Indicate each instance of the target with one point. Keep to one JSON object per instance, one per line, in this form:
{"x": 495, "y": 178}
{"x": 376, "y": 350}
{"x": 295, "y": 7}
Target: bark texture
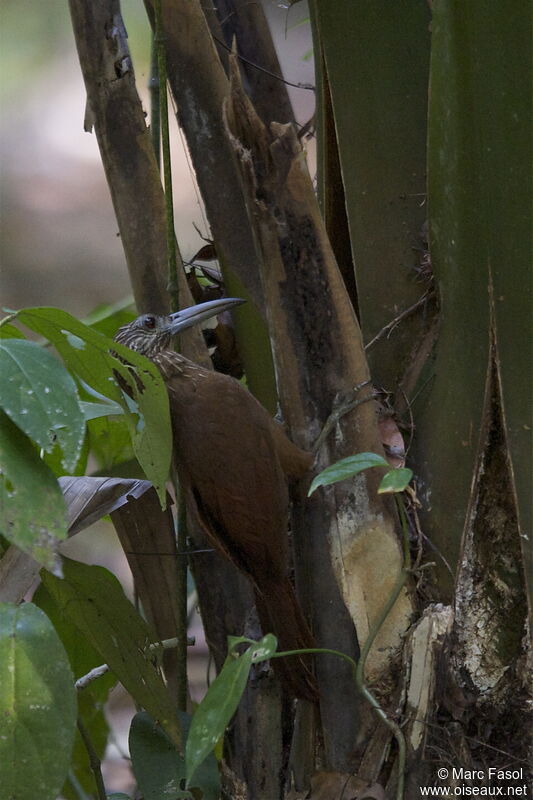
{"x": 347, "y": 553}
{"x": 226, "y": 600}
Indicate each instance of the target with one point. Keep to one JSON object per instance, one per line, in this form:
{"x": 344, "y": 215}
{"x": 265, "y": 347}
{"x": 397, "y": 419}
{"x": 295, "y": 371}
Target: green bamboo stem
{"x": 159, "y": 44}
{"x": 173, "y": 289}
{"x": 154, "y": 88}
{"x": 181, "y": 595}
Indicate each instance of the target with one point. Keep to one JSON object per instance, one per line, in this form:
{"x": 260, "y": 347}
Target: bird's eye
{"x": 149, "y": 322}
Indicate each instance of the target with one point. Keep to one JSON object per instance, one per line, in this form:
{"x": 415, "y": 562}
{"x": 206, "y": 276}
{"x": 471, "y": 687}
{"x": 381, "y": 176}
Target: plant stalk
{"x": 159, "y": 45}
{"x": 94, "y": 761}
{"x": 154, "y": 88}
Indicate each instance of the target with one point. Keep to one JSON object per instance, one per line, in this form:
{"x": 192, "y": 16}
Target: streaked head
{"x": 149, "y": 334}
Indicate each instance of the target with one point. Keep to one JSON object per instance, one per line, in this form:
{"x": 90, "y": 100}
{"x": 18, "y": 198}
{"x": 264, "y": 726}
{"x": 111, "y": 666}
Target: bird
{"x": 234, "y": 464}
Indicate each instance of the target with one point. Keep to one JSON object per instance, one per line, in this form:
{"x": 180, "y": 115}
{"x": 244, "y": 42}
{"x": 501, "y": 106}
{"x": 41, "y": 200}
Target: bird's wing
{"x": 227, "y": 456}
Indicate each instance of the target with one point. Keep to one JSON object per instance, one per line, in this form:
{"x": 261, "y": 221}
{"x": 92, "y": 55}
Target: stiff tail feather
{"x": 280, "y": 613}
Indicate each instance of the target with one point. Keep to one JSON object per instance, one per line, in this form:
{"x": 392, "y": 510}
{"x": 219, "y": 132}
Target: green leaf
{"x": 9, "y": 331}
{"x": 33, "y": 514}
{"x": 87, "y": 353}
{"x": 84, "y": 351}
{"x": 262, "y": 650}
{"x": 396, "y": 480}
{"x": 110, "y": 441}
{"x": 107, "y": 319}
{"x": 346, "y": 468}
{"x": 54, "y": 460}
{"x": 95, "y": 410}
{"x": 80, "y": 774}
{"x": 220, "y": 703}
{"x": 37, "y": 705}
{"x": 93, "y": 599}
{"x": 40, "y": 396}
{"x": 159, "y": 769}
{"x": 83, "y": 657}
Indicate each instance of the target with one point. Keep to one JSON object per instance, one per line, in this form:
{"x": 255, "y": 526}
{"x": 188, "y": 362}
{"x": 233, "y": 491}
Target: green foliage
{"x": 222, "y": 698}
{"x": 110, "y": 441}
{"x": 82, "y": 657}
{"x": 87, "y": 355}
{"x": 91, "y": 712}
{"x": 33, "y": 511}
{"x": 107, "y": 319}
{"x": 54, "y": 460}
{"x": 395, "y": 480}
{"x": 93, "y": 600}
{"x": 9, "y": 331}
{"x": 41, "y": 397}
{"x": 97, "y": 410}
{"x": 160, "y": 770}
{"x": 37, "y": 705}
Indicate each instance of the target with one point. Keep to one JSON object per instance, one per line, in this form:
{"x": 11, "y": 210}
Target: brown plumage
{"x": 234, "y": 462}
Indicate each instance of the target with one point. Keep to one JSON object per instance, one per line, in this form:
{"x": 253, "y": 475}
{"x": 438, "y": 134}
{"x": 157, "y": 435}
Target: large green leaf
{"x": 37, "y": 705}
{"x": 41, "y": 397}
{"x": 87, "y": 353}
{"x": 54, "y": 460}
{"x": 92, "y": 598}
{"x": 9, "y": 331}
{"x": 159, "y": 769}
{"x": 82, "y": 657}
{"x": 110, "y": 441}
{"x": 220, "y": 702}
{"x": 92, "y": 714}
{"x": 33, "y": 514}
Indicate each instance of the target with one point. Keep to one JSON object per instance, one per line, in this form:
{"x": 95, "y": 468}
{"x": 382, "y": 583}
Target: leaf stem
{"x": 181, "y": 595}
{"x": 94, "y": 761}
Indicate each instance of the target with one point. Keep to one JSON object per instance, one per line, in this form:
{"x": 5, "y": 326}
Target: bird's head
{"x": 149, "y": 334}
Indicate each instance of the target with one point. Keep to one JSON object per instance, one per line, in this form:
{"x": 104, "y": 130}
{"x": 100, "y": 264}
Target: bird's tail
{"x": 280, "y": 613}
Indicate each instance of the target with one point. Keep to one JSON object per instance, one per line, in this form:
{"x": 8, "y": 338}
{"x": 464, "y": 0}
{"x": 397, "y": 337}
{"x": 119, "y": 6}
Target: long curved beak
{"x": 187, "y": 317}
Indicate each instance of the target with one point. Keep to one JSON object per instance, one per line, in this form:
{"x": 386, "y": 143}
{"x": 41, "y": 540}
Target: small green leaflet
{"x": 395, "y": 480}
{"x": 221, "y": 700}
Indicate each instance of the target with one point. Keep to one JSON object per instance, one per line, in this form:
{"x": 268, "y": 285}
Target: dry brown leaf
{"x": 89, "y": 499}
{"x": 392, "y": 441}
{"x": 206, "y": 253}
